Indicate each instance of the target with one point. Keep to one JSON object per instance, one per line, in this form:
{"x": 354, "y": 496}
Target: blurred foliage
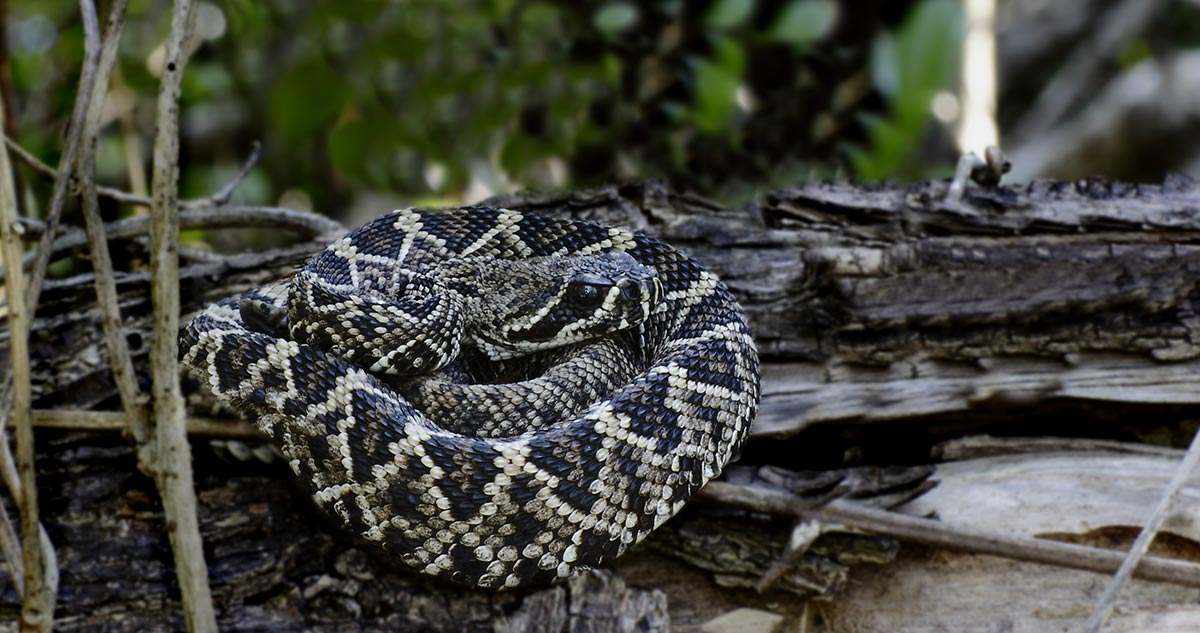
{"x": 910, "y": 67}
{"x": 444, "y": 101}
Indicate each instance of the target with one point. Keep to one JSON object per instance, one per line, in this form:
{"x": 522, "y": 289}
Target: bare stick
{"x": 218, "y": 198}
{"x": 10, "y": 546}
{"x": 62, "y": 177}
{"x": 1145, "y": 537}
{"x": 174, "y": 458}
{"x": 112, "y": 421}
{"x": 71, "y": 151}
{"x": 119, "y": 360}
{"x": 135, "y": 164}
{"x": 37, "y": 605}
{"x": 936, "y": 533}
{"x": 223, "y": 195}
{"x": 37, "y": 165}
{"x": 305, "y": 222}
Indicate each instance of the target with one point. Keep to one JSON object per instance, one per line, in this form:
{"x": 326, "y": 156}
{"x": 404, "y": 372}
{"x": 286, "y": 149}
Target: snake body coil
{"x": 497, "y": 398}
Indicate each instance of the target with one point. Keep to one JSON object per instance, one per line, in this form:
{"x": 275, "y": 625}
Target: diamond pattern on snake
{"x": 495, "y": 397}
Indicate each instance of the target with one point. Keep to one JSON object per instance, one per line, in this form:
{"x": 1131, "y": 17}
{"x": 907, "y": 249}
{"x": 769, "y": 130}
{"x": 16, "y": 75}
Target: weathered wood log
{"x": 1067, "y": 303}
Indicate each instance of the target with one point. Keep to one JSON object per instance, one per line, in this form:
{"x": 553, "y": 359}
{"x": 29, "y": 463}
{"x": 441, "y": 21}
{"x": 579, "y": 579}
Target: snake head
{"x": 546, "y": 302}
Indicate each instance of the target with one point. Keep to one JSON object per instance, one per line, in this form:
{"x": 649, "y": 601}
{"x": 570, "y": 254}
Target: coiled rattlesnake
{"x": 495, "y": 397}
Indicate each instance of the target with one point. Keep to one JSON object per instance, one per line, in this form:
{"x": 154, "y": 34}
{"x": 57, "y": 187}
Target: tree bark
{"x": 889, "y": 319}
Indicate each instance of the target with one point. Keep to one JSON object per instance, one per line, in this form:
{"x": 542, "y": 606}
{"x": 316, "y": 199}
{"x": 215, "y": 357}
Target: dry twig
{"x": 37, "y": 605}
{"x": 119, "y": 360}
{"x": 216, "y": 199}
{"x": 62, "y": 177}
{"x": 37, "y": 165}
{"x": 935, "y": 533}
{"x": 222, "y": 195}
{"x": 115, "y": 421}
{"x": 1140, "y": 546}
{"x": 174, "y": 468}
{"x": 311, "y": 224}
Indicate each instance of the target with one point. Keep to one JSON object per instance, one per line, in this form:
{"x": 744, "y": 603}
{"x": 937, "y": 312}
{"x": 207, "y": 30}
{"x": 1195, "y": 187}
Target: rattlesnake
{"x": 495, "y": 397}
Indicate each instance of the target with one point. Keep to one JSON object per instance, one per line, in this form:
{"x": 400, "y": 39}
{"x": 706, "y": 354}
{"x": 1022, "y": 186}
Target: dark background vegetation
{"x": 366, "y": 105}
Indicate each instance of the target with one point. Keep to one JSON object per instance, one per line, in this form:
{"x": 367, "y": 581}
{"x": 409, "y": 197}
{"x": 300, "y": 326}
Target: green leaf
{"x": 1134, "y": 52}
{"x": 909, "y": 67}
{"x": 730, "y": 55}
{"x": 726, "y": 14}
{"x": 349, "y": 148}
{"x": 890, "y": 144}
{"x": 926, "y": 48}
{"x": 611, "y": 18}
{"x": 498, "y": 9}
{"x": 716, "y": 95}
{"x": 803, "y": 22}
{"x": 207, "y": 80}
{"x": 353, "y": 10}
{"x": 307, "y": 100}
{"x": 516, "y": 154}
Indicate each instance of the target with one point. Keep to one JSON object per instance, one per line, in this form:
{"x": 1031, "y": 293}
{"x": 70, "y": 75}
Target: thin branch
{"x": 37, "y": 604}
{"x": 37, "y": 165}
{"x": 62, "y": 177}
{"x": 305, "y": 222}
{"x": 92, "y": 53}
{"x": 938, "y": 534}
{"x": 218, "y": 198}
{"x": 80, "y": 420}
{"x": 119, "y": 360}
{"x": 29, "y": 159}
{"x": 223, "y": 195}
{"x": 10, "y": 546}
{"x": 174, "y": 471}
{"x": 1145, "y": 537}
{"x": 134, "y": 162}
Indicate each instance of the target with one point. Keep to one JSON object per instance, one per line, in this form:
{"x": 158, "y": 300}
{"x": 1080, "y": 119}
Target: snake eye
{"x": 586, "y": 295}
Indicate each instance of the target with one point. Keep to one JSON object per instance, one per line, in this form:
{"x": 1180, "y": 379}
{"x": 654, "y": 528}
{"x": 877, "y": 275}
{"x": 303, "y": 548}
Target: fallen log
{"x": 890, "y": 319}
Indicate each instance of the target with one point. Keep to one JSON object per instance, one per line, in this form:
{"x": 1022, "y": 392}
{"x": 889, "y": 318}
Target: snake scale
{"x": 496, "y": 398}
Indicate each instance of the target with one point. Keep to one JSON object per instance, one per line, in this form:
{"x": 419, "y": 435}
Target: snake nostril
{"x": 629, "y": 292}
